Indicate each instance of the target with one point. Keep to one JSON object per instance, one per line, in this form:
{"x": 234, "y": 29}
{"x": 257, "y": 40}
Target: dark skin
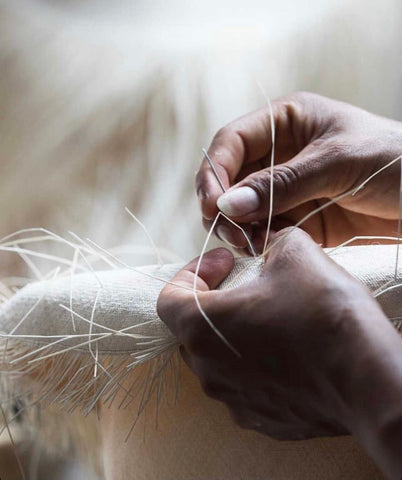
{"x": 324, "y": 148}
{"x": 318, "y": 355}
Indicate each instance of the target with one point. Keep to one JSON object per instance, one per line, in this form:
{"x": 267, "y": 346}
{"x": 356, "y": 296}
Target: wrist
{"x": 383, "y": 442}
{"x": 371, "y": 390}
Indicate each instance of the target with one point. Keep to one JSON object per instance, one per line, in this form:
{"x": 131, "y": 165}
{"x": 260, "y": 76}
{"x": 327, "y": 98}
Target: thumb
{"x": 305, "y": 177}
{"x": 176, "y": 301}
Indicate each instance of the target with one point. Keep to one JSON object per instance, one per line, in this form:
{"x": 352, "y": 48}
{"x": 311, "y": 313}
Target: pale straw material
{"x": 116, "y": 327}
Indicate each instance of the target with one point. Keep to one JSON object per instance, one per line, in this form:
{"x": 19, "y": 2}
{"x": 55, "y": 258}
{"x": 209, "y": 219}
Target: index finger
{"x": 246, "y": 140}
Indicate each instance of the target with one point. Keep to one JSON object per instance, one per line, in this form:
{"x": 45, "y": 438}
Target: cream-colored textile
{"x": 195, "y": 439}
{"x": 127, "y": 298}
{"x": 111, "y": 315}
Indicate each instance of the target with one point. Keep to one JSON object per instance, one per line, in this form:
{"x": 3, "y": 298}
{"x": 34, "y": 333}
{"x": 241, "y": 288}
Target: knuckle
{"x": 335, "y": 149}
{"x": 247, "y": 421}
{"x": 286, "y": 177}
{"x": 240, "y": 418}
{"x": 222, "y": 132}
{"x": 260, "y": 182}
{"x": 294, "y": 101}
{"x": 301, "y": 96}
{"x": 211, "y": 389}
{"x": 286, "y": 180}
{"x": 223, "y": 135}
{"x": 291, "y": 106}
{"x": 289, "y": 247}
{"x": 230, "y": 137}
{"x": 292, "y": 234}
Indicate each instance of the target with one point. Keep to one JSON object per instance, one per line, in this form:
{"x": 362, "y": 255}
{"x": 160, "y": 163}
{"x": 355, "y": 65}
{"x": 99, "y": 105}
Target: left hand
{"x": 306, "y": 331}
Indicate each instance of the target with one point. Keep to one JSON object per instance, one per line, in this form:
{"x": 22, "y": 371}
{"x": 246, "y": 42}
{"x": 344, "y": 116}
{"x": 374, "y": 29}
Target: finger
{"x": 185, "y": 356}
{"x": 245, "y": 140}
{"x": 176, "y": 300}
{"x": 293, "y": 253}
{"x": 259, "y": 235}
{"x": 293, "y": 248}
{"x": 235, "y": 236}
{"x": 308, "y": 176}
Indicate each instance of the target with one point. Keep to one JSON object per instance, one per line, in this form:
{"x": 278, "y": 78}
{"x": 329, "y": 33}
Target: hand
{"x": 324, "y": 148}
{"x": 315, "y": 347}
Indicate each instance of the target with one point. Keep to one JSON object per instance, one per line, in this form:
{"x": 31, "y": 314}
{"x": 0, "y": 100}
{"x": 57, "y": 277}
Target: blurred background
{"x": 108, "y": 104}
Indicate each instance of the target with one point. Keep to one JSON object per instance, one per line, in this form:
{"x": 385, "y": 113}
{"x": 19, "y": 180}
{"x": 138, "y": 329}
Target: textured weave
{"x": 128, "y": 298}
{"x": 178, "y": 450}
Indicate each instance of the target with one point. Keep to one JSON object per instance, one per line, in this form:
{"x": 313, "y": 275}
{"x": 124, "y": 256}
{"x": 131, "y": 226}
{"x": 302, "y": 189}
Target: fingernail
{"x": 225, "y": 234}
{"x": 239, "y": 201}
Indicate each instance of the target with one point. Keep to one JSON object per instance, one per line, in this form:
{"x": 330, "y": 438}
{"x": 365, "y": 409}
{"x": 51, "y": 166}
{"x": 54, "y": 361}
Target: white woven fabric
{"x": 128, "y": 299}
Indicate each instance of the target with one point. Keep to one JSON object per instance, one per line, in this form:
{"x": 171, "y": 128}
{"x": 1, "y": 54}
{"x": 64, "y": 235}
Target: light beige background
{"x": 107, "y": 104}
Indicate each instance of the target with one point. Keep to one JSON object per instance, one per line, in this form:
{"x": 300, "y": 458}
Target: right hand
{"x": 324, "y": 148}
